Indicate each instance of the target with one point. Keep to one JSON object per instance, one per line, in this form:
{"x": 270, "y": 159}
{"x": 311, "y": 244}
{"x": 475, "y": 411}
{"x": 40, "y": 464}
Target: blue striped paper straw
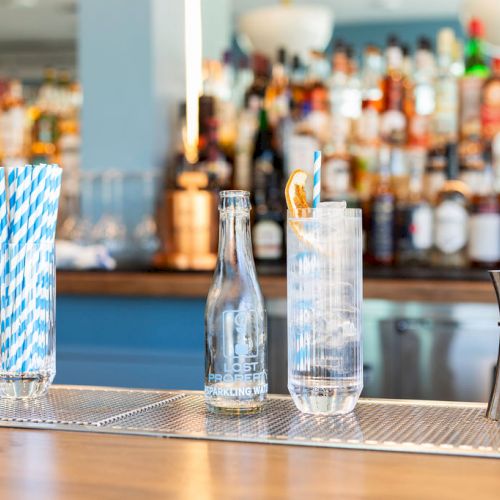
{"x": 44, "y": 228}
{"x": 317, "y": 179}
{"x": 17, "y": 250}
{"x": 3, "y": 266}
{"x": 52, "y": 190}
{"x": 34, "y": 343}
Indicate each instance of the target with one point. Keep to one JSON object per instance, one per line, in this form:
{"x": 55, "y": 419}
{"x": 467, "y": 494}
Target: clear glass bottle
{"x": 235, "y": 318}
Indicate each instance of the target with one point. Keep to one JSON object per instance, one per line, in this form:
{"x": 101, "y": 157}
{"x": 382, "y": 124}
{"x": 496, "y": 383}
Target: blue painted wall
{"x": 132, "y": 342}
{"x": 115, "y": 66}
{"x": 362, "y": 34}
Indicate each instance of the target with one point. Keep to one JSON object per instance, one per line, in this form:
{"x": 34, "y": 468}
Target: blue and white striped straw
{"x": 3, "y": 265}
{"x": 317, "y": 179}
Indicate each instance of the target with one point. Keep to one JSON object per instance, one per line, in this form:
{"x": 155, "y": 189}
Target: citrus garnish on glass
{"x": 295, "y": 192}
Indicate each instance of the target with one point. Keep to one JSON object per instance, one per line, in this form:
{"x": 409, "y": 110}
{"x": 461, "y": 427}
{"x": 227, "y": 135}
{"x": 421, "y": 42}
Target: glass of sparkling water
{"x": 324, "y": 297}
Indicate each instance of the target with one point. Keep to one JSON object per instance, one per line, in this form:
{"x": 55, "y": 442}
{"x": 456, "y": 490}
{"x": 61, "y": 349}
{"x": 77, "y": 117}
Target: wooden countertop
{"x": 417, "y": 287}
{"x": 65, "y": 465}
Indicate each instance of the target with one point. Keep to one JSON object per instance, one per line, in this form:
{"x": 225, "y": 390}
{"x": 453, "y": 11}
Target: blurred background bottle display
{"x": 40, "y": 123}
{"x": 260, "y": 117}
{"x": 403, "y": 135}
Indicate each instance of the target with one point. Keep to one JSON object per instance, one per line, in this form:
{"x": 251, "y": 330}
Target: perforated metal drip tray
{"x": 408, "y": 426}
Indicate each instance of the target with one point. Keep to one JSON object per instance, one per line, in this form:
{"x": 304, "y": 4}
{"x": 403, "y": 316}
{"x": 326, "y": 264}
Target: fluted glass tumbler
{"x": 27, "y": 319}
{"x": 324, "y": 297}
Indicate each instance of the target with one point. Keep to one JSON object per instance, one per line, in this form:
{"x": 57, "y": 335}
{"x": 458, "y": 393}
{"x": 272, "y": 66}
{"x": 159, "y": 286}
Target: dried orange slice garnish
{"x": 296, "y": 200}
{"x": 295, "y": 192}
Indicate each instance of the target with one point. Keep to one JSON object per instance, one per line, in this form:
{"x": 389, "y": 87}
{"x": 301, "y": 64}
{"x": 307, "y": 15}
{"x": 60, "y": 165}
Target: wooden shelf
{"x": 195, "y": 285}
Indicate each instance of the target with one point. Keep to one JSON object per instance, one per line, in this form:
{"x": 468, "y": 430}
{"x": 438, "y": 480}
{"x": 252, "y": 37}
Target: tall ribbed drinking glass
{"x": 324, "y": 296}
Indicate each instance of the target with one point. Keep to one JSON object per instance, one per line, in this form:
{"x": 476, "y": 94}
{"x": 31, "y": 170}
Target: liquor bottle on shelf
{"x": 247, "y": 126}
{"x": 277, "y": 97}
{"x": 471, "y": 164}
{"x": 336, "y": 178}
{"x": 318, "y": 120}
{"x": 451, "y": 217}
{"x": 382, "y": 215}
{"x": 319, "y": 69}
{"x": 268, "y": 224}
{"x": 297, "y": 86}
{"x": 268, "y": 237}
{"x": 12, "y": 125}
{"x": 367, "y": 132}
{"x": 368, "y": 129}
{"x": 414, "y": 222}
{"x": 393, "y": 121}
{"x": 435, "y": 173}
{"x": 212, "y": 159}
{"x": 352, "y": 92}
{"x": 48, "y": 89}
{"x": 424, "y": 101}
{"x": 338, "y": 92}
{"x": 475, "y": 59}
{"x": 484, "y": 243}
{"x": 407, "y": 64}
{"x": 445, "y": 127}
{"x": 44, "y": 133}
{"x": 490, "y": 104}
{"x": 399, "y": 172}
{"x": 371, "y": 93}
{"x": 260, "y": 82}
{"x": 476, "y": 71}
{"x": 207, "y": 114}
{"x": 243, "y": 80}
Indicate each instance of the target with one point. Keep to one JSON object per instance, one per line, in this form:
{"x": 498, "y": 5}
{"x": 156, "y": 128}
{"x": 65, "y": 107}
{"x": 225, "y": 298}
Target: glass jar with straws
{"x": 29, "y": 198}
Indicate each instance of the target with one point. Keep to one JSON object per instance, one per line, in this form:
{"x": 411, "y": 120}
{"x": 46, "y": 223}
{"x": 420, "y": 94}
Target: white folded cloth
{"x": 70, "y": 255}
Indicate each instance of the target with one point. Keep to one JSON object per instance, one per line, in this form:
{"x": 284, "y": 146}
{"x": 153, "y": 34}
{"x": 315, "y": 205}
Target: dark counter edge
{"x": 419, "y": 284}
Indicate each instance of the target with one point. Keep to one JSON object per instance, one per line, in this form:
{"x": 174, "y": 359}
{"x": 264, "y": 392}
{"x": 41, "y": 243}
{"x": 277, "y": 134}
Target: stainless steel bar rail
{"x": 390, "y": 425}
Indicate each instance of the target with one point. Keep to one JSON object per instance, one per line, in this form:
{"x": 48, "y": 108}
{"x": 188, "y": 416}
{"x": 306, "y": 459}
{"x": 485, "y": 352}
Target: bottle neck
{"x": 452, "y": 167}
{"x": 235, "y": 243}
{"x": 415, "y": 186}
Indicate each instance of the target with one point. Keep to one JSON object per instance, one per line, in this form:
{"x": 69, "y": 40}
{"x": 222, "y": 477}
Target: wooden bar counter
{"x": 66, "y": 465}
{"x": 420, "y": 285}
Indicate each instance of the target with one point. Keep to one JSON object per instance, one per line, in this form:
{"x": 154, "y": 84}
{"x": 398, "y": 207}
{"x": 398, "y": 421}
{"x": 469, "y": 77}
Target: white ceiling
{"x": 51, "y": 20}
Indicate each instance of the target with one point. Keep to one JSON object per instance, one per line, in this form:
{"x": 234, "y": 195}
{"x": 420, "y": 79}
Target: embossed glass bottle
{"x": 235, "y": 319}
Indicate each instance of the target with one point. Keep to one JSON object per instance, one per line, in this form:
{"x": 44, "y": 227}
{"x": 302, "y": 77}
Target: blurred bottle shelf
{"x": 397, "y": 284}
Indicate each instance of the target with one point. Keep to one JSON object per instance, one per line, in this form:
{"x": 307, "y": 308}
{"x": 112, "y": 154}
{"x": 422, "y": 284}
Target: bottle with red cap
{"x": 475, "y": 59}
